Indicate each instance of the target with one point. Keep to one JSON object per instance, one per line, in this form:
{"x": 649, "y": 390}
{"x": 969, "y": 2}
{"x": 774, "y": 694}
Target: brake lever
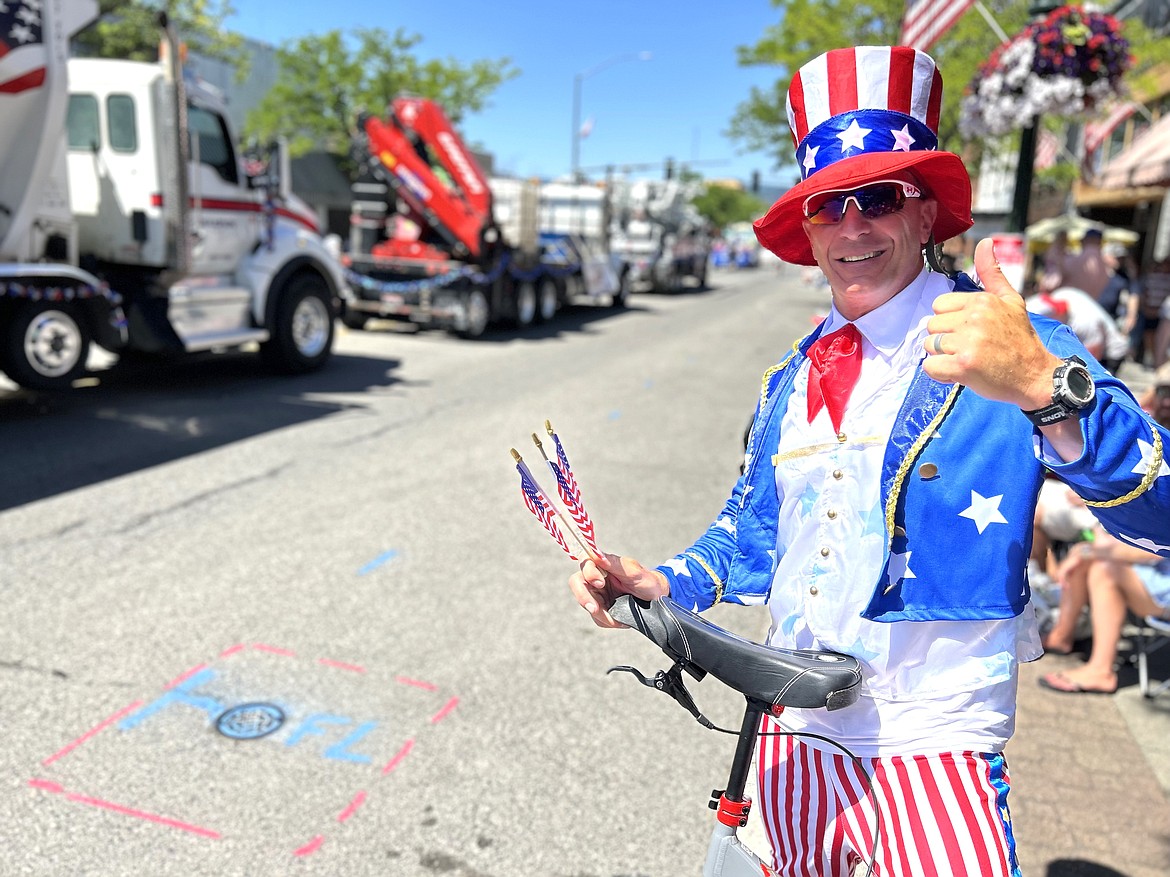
{"x": 669, "y": 682}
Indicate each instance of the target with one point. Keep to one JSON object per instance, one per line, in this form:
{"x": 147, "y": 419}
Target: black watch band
{"x": 1051, "y": 414}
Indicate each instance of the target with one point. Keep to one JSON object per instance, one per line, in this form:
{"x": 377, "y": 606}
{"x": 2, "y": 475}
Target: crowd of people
{"x": 1119, "y": 312}
{"x": 1086, "y": 583}
{"x": 1089, "y": 582}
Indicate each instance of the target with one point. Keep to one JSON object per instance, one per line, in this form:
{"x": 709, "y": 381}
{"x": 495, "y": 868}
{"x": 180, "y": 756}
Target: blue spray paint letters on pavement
{"x": 340, "y": 750}
{"x": 186, "y": 694}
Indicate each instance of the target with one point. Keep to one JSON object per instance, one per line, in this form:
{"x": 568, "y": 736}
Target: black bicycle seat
{"x": 799, "y": 678}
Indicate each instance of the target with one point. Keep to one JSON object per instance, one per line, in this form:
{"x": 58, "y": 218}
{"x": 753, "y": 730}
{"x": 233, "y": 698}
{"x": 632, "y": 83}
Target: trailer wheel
{"x": 524, "y": 305}
{"x": 301, "y": 335}
{"x": 701, "y": 276}
{"x": 477, "y": 313}
{"x": 621, "y": 298}
{"x": 46, "y": 346}
{"x": 547, "y": 300}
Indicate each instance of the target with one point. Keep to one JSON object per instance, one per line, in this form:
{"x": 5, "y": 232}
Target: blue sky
{"x": 676, "y": 104}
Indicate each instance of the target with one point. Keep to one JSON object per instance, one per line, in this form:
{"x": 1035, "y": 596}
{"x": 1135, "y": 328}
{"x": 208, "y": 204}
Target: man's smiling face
{"x": 869, "y": 261}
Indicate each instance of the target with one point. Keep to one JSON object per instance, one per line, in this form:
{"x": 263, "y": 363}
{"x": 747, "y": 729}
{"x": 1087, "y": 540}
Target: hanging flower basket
{"x": 1065, "y": 65}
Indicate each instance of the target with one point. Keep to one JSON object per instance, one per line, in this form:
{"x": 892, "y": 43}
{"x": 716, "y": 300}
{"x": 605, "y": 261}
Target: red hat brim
{"x": 942, "y": 174}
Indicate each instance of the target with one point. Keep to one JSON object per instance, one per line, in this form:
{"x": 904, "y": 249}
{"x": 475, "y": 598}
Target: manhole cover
{"x": 250, "y": 721}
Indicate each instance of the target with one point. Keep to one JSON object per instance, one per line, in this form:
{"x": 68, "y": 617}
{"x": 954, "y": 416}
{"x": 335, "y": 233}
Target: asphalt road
{"x": 351, "y": 548}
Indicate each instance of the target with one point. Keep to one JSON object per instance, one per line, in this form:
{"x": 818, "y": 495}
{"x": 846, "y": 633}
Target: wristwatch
{"x": 1072, "y": 391}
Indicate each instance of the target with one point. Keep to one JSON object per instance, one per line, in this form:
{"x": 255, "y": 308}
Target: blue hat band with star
{"x": 862, "y": 132}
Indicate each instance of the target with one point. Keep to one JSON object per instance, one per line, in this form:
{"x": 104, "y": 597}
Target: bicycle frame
{"x": 727, "y": 856}
{"x": 770, "y": 679}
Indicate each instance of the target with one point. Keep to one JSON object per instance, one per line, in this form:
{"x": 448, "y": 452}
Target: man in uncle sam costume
{"x": 892, "y": 470}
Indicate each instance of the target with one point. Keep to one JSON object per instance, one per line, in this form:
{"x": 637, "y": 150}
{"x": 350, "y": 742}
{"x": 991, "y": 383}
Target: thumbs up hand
{"x": 985, "y": 341}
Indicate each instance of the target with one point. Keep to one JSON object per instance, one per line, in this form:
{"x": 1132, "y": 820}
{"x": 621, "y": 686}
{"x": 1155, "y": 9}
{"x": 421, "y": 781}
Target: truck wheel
{"x": 546, "y": 300}
{"x": 477, "y": 313}
{"x": 356, "y": 320}
{"x": 301, "y": 334}
{"x": 621, "y": 298}
{"x": 46, "y": 347}
{"x": 701, "y": 276}
{"x": 524, "y": 305}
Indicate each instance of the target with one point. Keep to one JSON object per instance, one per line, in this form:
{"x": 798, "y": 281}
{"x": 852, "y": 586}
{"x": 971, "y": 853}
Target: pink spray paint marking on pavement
{"x": 197, "y": 690}
{"x": 57, "y": 789}
{"x": 69, "y": 747}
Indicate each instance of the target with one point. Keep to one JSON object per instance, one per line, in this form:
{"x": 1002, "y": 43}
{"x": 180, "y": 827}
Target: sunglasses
{"x": 873, "y": 201}
{"x": 1162, "y": 392}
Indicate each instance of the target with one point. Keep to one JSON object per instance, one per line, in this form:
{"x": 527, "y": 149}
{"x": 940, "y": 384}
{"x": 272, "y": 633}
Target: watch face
{"x": 1079, "y": 383}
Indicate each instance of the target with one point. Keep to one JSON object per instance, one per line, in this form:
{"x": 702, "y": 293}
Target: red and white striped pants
{"x": 941, "y": 815}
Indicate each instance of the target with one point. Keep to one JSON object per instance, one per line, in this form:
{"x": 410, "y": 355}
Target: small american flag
{"x": 22, "y": 50}
{"x": 1047, "y": 149}
{"x": 540, "y": 506}
{"x": 570, "y": 493}
{"x": 925, "y": 21}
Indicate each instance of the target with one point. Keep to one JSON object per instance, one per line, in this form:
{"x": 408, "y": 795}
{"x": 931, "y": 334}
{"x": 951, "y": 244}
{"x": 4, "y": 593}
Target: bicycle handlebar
{"x": 798, "y": 678}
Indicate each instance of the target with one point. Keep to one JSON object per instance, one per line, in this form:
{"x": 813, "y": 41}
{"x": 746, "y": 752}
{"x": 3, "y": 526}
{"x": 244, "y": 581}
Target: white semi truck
{"x": 128, "y": 218}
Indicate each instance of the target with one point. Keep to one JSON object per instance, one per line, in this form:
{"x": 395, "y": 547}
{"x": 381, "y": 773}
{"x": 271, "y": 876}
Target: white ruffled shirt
{"x": 930, "y": 686}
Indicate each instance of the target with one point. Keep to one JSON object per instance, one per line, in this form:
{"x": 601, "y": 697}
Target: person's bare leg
{"x": 1040, "y": 543}
{"x": 1113, "y": 587}
{"x": 1074, "y": 596}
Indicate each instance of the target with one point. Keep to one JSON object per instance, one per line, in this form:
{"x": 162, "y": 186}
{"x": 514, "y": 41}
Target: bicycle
{"x": 769, "y": 678}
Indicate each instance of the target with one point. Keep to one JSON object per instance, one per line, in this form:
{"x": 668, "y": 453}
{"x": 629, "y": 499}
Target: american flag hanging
{"x": 570, "y": 492}
{"x": 22, "y": 50}
{"x": 539, "y": 504}
{"x": 925, "y": 21}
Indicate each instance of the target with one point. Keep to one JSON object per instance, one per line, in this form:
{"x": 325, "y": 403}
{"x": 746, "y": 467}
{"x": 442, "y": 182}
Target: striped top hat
{"x": 859, "y": 115}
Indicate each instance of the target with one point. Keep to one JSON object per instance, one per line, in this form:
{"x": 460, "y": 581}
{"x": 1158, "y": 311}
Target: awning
{"x": 1145, "y": 162}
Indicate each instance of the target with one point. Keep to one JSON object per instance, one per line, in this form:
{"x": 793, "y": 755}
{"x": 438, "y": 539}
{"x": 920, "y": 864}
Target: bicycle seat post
{"x": 741, "y": 764}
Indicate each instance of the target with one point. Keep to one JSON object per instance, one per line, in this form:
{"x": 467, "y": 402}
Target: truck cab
{"x": 159, "y": 240}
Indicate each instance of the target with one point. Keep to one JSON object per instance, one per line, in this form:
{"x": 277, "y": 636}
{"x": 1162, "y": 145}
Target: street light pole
{"x": 580, "y": 78}
{"x": 1026, "y": 162}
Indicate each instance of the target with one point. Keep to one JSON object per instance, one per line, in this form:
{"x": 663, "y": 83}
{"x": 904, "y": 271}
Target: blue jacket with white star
{"x": 946, "y": 441}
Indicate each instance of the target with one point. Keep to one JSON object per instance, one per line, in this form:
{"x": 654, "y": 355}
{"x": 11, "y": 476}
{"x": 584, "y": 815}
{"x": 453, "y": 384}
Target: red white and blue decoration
{"x": 579, "y": 524}
{"x": 863, "y": 114}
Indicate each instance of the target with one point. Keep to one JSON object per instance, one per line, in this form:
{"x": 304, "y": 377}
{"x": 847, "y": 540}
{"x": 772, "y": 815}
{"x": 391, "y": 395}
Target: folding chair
{"x": 1153, "y": 633}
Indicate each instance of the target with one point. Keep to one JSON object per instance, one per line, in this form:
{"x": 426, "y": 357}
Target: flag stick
{"x": 564, "y": 479}
{"x": 565, "y": 521}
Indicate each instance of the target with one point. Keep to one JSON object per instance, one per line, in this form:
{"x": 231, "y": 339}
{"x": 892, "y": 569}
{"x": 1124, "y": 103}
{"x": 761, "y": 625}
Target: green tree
{"x": 326, "y": 80}
{"x": 723, "y": 205}
{"x": 130, "y": 30}
{"x": 809, "y": 27}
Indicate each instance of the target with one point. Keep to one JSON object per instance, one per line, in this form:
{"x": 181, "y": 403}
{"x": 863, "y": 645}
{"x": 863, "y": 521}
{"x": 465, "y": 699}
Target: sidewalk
{"x": 1091, "y": 777}
{"x": 1091, "y": 773}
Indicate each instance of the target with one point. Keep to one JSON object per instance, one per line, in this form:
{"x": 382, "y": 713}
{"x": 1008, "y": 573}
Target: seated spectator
{"x": 1061, "y": 518}
{"x": 1112, "y": 577}
{"x": 1088, "y": 320}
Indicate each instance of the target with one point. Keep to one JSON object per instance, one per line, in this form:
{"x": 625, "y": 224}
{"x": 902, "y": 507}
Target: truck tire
{"x": 477, "y": 314}
{"x": 524, "y": 305}
{"x": 547, "y": 300}
{"x": 45, "y": 346}
{"x": 355, "y": 320}
{"x": 621, "y": 298}
{"x": 301, "y": 334}
{"x": 701, "y": 276}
